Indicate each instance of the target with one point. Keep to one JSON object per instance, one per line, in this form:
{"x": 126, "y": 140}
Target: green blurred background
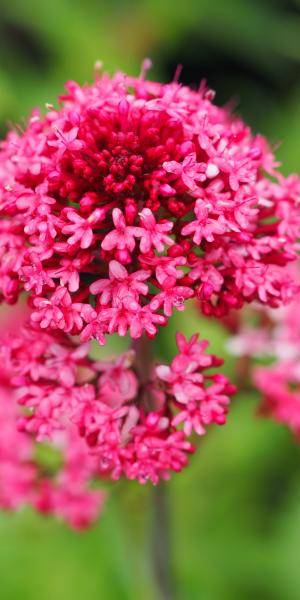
{"x": 235, "y": 511}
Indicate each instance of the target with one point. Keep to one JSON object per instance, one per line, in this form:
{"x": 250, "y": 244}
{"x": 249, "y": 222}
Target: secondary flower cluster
{"x": 276, "y": 336}
{"x": 135, "y": 196}
{"x": 61, "y": 484}
{"x": 132, "y": 426}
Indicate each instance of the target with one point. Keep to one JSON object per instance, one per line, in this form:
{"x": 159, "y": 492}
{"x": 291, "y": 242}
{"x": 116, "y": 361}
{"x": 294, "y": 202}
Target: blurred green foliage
{"x": 236, "y": 510}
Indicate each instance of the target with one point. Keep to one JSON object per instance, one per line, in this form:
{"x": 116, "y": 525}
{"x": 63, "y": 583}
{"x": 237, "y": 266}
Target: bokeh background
{"x": 235, "y": 511}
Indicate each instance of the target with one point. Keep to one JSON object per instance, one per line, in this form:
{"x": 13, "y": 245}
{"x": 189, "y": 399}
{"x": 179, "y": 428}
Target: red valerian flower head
{"x": 133, "y": 197}
{"x": 130, "y": 425}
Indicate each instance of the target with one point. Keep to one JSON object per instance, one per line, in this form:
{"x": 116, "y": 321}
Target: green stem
{"x": 160, "y": 526}
{"x": 161, "y": 543}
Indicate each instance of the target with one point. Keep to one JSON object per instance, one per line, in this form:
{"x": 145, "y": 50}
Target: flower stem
{"x": 160, "y": 523}
{"x": 243, "y": 372}
{"x": 143, "y": 358}
{"x": 161, "y": 543}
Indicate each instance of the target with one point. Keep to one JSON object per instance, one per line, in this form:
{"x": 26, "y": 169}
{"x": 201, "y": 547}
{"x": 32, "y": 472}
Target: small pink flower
{"x": 171, "y": 295}
{"x": 59, "y": 312}
{"x": 118, "y": 383}
{"x": 123, "y": 236}
{"x": 82, "y": 229}
{"x": 66, "y": 141}
{"x": 68, "y": 271}
{"x": 154, "y": 234}
{"x": 204, "y": 227}
{"x": 143, "y": 319}
{"x": 189, "y": 170}
{"x": 120, "y": 284}
{"x": 34, "y": 276}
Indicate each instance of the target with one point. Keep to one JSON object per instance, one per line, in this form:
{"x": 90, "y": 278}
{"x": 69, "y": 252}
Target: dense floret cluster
{"x": 135, "y": 196}
{"x": 131, "y": 426}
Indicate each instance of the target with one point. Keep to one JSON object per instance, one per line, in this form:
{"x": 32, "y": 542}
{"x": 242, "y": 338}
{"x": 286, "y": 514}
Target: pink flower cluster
{"x": 276, "y": 336}
{"x": 115, "y": 209}
{"x": 135, "y": 196}
{"x": 62, "y": 490}
{"x": 280, "y": 386}
{"x": 130, "y": 426}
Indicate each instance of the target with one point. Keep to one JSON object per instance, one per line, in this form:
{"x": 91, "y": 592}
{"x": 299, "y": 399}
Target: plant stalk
{"x": 161, "y": 543}
{"x": 160, "y": 549}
